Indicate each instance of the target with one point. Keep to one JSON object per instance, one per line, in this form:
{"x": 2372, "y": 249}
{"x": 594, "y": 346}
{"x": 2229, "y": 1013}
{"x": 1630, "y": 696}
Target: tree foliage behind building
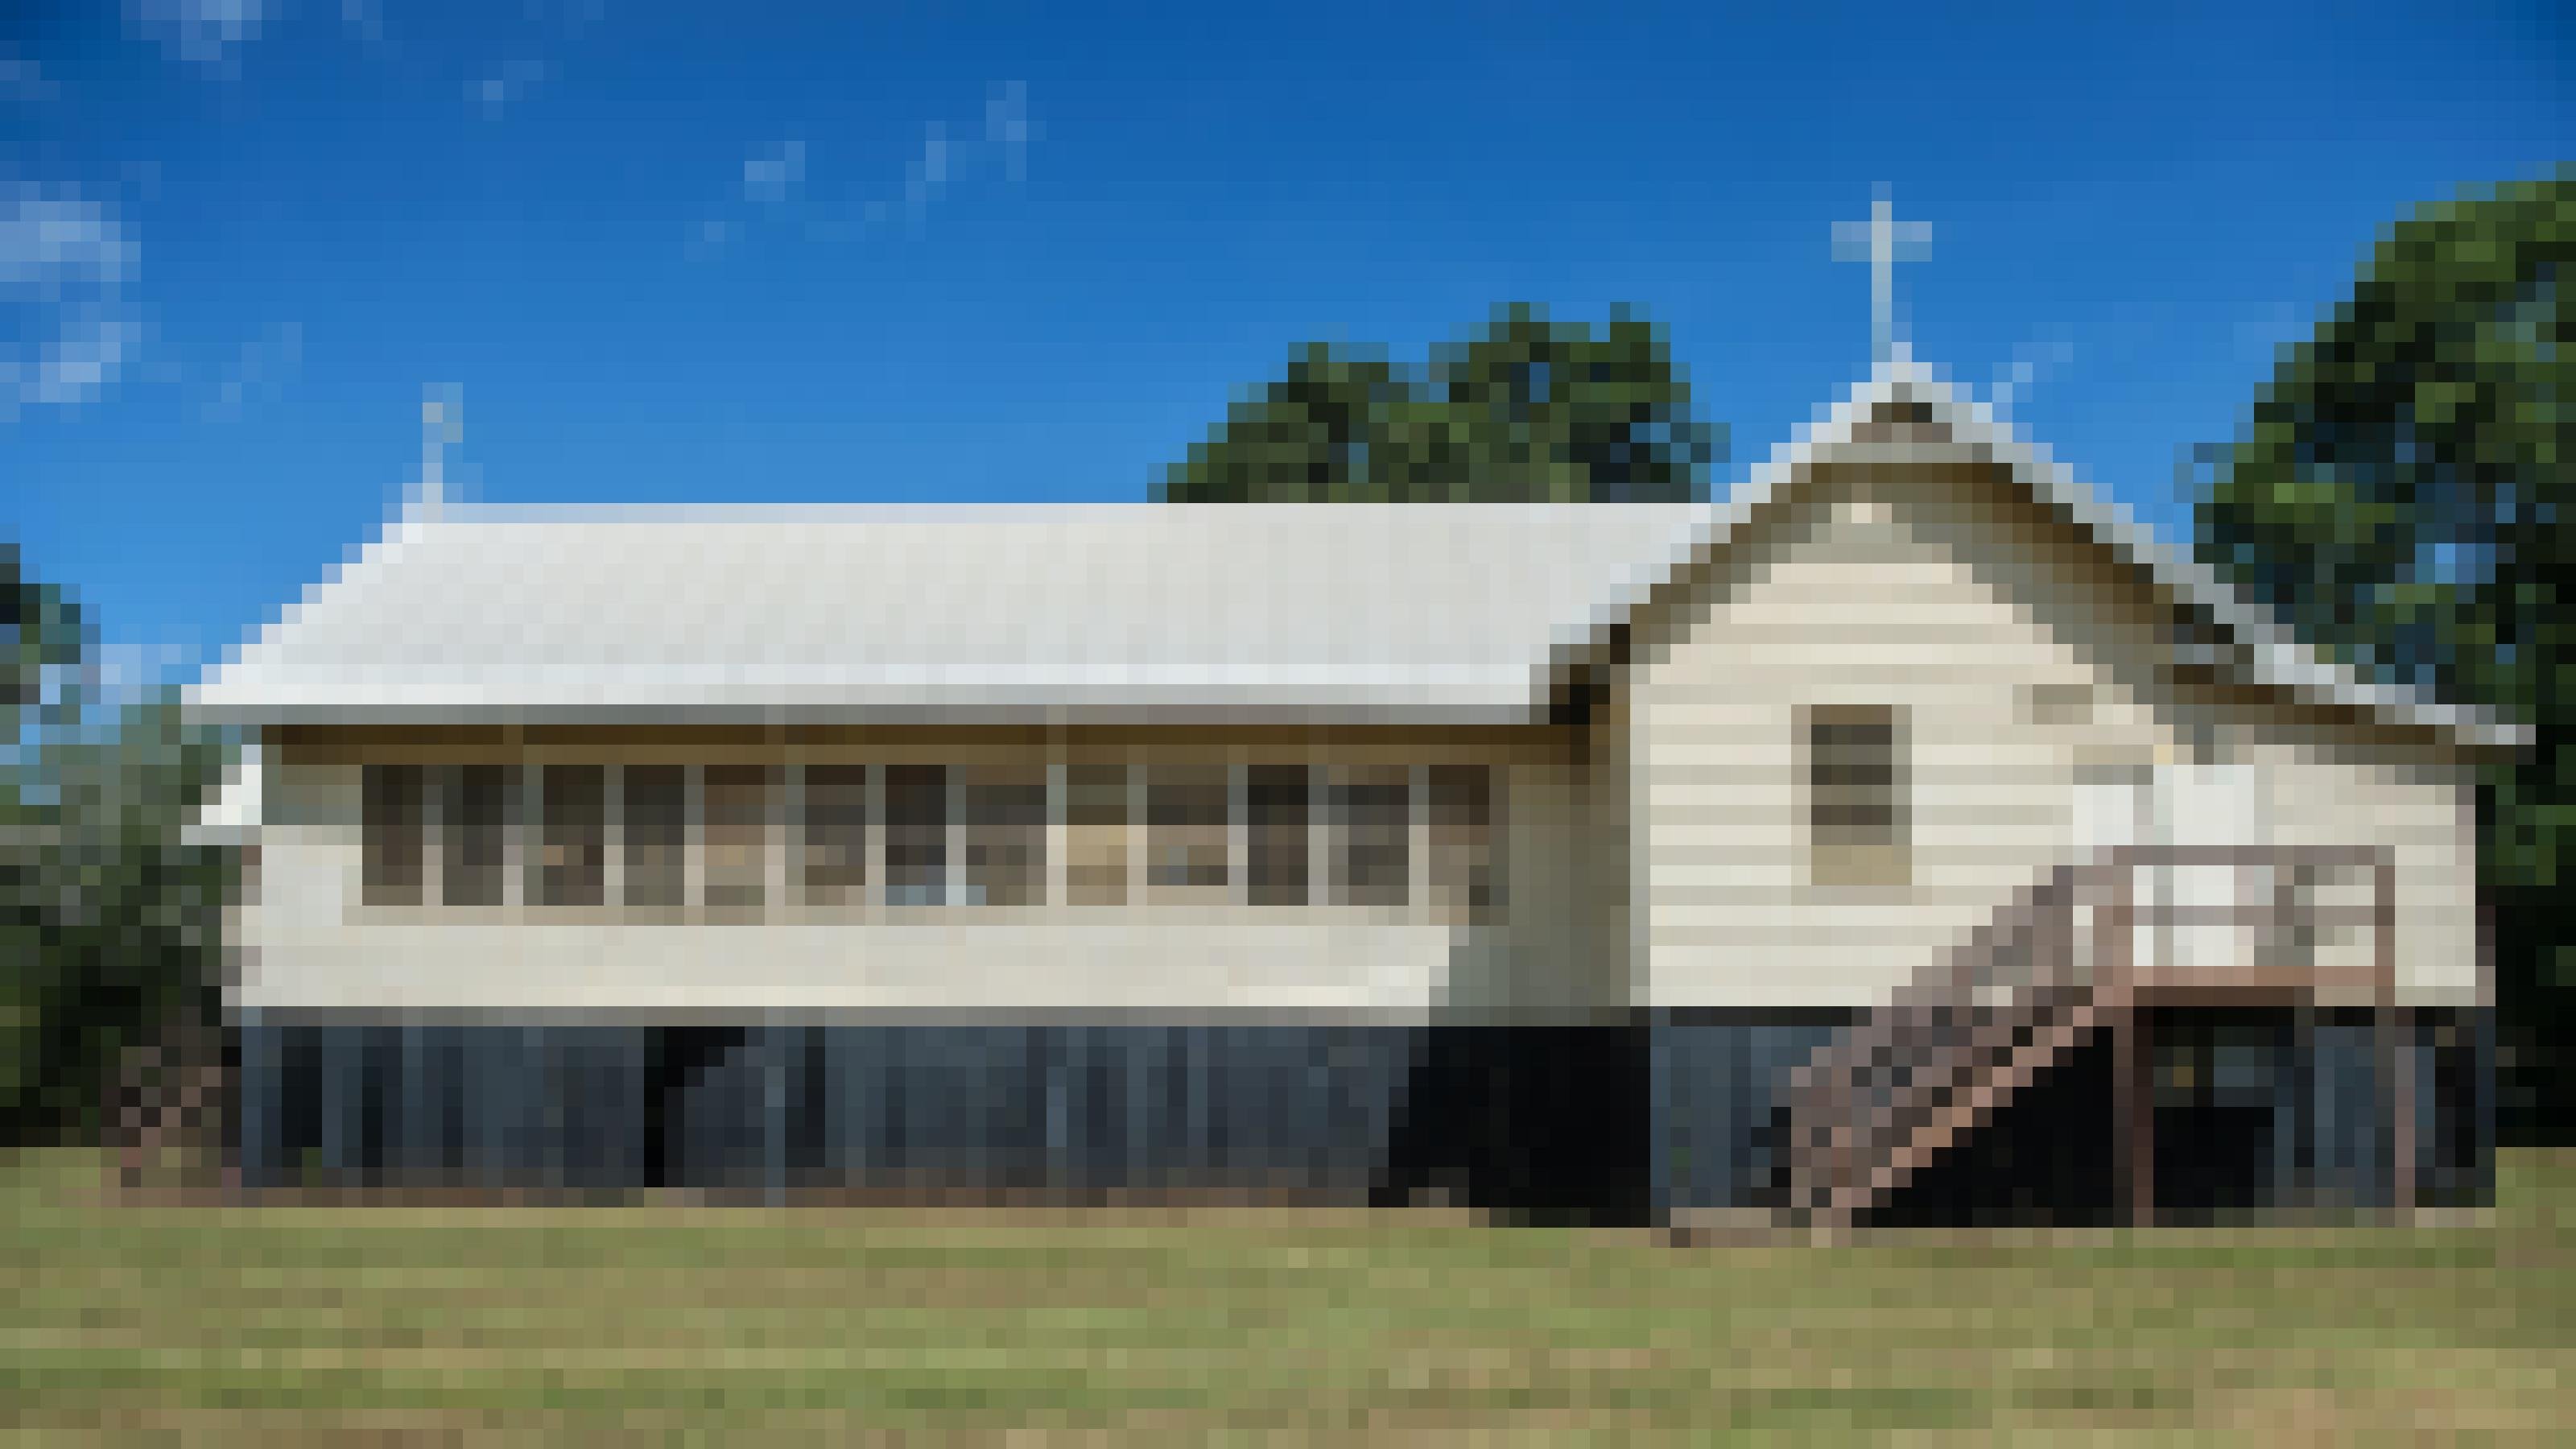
{"x": 1526, "y": 409}
{"x": 110, "y": 924}
{"x": 2403, "y": 496}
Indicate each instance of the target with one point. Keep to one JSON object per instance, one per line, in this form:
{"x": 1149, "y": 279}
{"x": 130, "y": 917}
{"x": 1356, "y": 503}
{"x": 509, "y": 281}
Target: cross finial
{"x": 442, "y": 422}
{"x": 1883, "y": 241}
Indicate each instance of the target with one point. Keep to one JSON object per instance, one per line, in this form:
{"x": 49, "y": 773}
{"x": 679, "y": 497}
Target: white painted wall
{"x": 1937, "y": 591}
{"x": 1657, "y": 857}
{"x": 312, "y": 943}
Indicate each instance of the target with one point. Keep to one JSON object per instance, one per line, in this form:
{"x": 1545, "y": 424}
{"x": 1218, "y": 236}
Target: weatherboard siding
{"x": 2330, "y": 785}
{"x": 1936, "y": 592}
{"x": 312, "y": 944}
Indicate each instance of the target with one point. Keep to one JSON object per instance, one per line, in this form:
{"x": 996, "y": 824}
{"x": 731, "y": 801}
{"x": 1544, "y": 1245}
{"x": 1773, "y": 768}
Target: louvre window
{"x": 1372, "y": 818}
{"x": 1856, "y": 796}
{"x": 1464, "y": 869}
{"x": 477, "y": 823}
{"x": 1096, "y": 834}
{"x": 656, "y": 836}
{"x": 1006, "y": 817}
{"x": 572, "y": 858}
{"x": 1185, "y": 832}
{"x": 740, "y": 801}
{"x": 836, "y": 835}
{"x": 1279, "y": 800}
{"x": 916, "y": 834}
{"x": 391, "y": 834}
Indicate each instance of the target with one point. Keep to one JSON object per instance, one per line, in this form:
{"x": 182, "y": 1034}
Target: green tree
{"x": 2402, "y": 495}
{"x": 1524, "y": 410}
{"x": 109, "y": 922}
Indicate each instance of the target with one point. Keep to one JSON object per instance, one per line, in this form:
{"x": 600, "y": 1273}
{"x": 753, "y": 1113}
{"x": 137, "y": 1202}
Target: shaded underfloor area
{"x": 1617, "y": 1123}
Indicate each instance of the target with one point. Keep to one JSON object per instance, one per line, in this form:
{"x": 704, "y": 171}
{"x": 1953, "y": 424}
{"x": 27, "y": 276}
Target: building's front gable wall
{"x": 2020, "y": 656}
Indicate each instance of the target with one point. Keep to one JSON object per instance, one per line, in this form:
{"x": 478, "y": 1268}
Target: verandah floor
{"x": 246, "y": 1325}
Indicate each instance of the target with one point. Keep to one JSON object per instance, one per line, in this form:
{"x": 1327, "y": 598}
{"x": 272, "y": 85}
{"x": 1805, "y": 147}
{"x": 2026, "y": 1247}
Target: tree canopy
{"x": 109, "y": 922}
{"x": 2403, "y": 496}
{"x": 1524, "y": 410}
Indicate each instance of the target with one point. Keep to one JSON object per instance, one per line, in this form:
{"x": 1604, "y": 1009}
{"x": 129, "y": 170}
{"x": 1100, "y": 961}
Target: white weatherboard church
{"x": 1905, "y": 837}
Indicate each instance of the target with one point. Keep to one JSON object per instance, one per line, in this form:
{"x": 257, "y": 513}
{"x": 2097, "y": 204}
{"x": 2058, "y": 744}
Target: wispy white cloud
{"x": 2031, "y": 364}
{"x": 506, "y": 85}
{"x": 530, "y": 48}
{"x": 927, "y": 176}
{"x": 205, "y": 33}
{"x": 773, "y": 180}
{"x": 1006, "y": 126}
{"x": 259, "y": 372}
{"x": 364, "y": 19}
{"x": 21, "y": 80}
{"x": 773, "y": 189}
{"x": 66, "y": 272}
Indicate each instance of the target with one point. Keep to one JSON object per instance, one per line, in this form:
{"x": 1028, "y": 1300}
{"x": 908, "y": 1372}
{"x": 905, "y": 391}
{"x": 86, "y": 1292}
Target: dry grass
{"x": 254, "y": 1325}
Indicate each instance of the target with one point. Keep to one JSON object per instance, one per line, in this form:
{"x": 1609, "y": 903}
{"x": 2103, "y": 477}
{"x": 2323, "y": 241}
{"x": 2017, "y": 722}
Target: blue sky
{"x": 909, "y": 251}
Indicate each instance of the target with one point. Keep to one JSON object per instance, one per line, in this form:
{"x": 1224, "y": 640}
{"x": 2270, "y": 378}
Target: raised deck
{"x": 2092, "y": 947}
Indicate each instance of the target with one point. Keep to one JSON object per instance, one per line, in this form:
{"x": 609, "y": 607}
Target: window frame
{"x": 1466, "y": 854}
{"x": 1095, "y": 875}
{"x": 1181, "y": 830}
{"x": 547, "y": 876}
{"x": 1005, "y": 821}
{"x": 380, "y": 887}
{"x": 645, "y": 869}
{"x": 910, "y": 841}
{"x": 832, "y": 843}
{"x": 461, "y": 868}
{"x": 1856, "y": 796}
{"x": 1351, "y": 786}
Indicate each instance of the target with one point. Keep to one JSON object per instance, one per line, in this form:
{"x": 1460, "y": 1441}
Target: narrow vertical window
{"x": 391, "y": 835}
{"x": 741, "y": 801}
{"x": 1856, "y": 788}
{"x": 656, "y": 836}
{"x": 1005, "y": 836}
{"x": 572, "y": 858}
{"x": 479, "y": 800}
{"x": 1277, "y": 797}
{"x": 1095, "y": 834}
{"x": 1465, "y": 872}
{"x": 916, "y": 834}
{"x": 1185, "y": 832}
{"x": 1373, "y": 825}
{"x": 836, "y": 835}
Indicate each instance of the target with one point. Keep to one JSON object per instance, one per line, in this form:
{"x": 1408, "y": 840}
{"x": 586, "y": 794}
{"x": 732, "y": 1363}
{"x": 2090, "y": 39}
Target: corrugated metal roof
{"x": 1422, "y": 610}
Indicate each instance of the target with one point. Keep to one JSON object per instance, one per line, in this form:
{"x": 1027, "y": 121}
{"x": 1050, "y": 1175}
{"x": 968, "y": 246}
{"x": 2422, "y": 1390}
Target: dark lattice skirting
{"x": 1672, "y": 1112}
{"x": 1543, "y": 1121}
{"x": 2264, "y": 1124}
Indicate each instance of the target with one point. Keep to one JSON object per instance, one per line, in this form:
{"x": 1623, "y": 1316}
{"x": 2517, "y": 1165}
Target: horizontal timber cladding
{"x": 1546, "y": 1120}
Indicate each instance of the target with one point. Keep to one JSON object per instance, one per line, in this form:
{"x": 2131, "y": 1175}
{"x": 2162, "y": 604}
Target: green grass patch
{"x": 257, "y": 1324}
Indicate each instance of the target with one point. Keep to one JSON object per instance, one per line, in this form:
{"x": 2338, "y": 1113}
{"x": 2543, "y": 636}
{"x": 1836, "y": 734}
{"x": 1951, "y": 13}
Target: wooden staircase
{"x": 1884, "y": 1099}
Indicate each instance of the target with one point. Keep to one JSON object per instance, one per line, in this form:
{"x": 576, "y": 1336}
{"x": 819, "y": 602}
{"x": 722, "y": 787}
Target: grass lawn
{"x": 552, "y": 1324}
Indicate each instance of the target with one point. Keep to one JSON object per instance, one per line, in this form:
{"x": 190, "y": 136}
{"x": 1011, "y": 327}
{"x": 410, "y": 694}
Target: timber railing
{"x": 2072, "y": 953}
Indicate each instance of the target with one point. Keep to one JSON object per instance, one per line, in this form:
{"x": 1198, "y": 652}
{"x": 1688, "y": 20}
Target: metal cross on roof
{"x": 1883, "y": 241}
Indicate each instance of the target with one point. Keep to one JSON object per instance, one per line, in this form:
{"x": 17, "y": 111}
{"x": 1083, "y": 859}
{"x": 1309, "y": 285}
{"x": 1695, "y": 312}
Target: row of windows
{"x": 1310, "y": 835}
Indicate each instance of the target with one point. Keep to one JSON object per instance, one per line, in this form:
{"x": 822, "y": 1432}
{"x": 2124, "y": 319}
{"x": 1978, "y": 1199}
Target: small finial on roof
{"x": 442, "y": 422}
